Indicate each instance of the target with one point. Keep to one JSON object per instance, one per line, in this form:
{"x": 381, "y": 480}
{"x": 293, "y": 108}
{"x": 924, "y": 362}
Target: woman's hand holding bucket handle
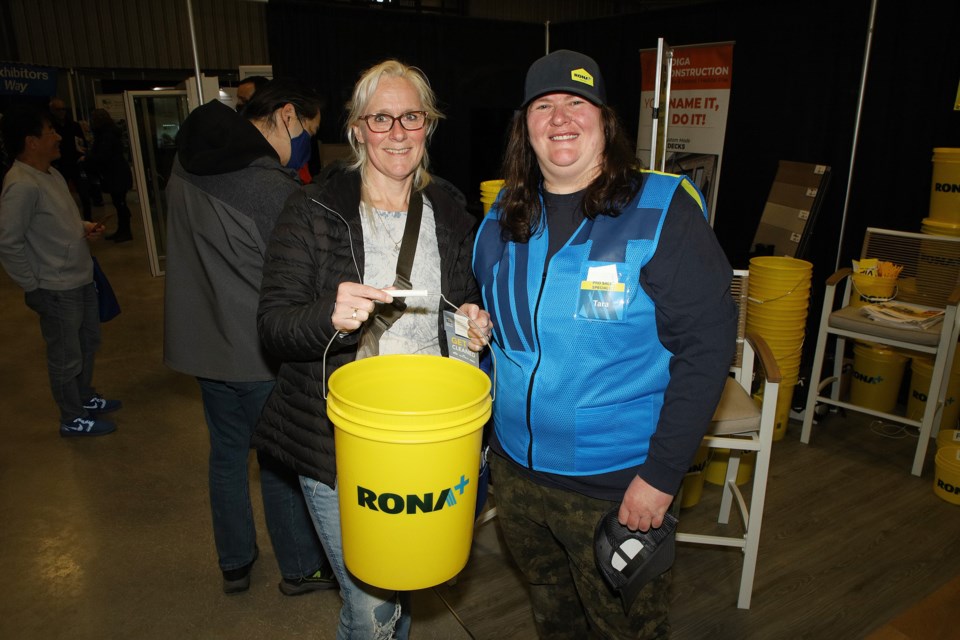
{"x": 481, "y": 328}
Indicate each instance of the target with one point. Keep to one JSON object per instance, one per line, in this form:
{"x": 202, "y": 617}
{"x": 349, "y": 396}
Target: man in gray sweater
{"x": 43, "y": 248}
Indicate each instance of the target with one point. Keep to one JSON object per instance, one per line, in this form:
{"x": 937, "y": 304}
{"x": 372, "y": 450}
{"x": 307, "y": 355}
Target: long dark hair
{"x": 101, "y": 119}
{"x": 521, "y": 214}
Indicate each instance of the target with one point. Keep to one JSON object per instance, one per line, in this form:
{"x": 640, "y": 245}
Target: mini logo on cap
{"x": 581, "y": 75}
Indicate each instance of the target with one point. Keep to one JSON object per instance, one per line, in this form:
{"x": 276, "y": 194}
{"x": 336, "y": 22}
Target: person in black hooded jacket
{"x": 107, "y": 159}
{"x": 229, "y": 181}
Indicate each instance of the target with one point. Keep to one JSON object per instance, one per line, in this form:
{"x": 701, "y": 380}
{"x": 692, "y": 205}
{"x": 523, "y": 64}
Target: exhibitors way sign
{"x": 27, "y": 80}
{"x": 695, "y": 116}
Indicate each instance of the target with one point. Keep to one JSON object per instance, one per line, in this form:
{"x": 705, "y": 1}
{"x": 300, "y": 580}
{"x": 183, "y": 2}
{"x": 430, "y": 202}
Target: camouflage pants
{"x": 550, "y": 535}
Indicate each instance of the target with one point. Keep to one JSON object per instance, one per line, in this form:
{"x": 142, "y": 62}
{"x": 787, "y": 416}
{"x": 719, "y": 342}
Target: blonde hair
{"x": 362, "y": 94}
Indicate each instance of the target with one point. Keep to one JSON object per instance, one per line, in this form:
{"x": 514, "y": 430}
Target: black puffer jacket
{"x": 308, "y": 257}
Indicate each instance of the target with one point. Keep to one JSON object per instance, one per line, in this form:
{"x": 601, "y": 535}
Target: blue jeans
{"x": 232, "y": 410}
{"x": 70, "y": 326}
{"x": 368, "y": 612}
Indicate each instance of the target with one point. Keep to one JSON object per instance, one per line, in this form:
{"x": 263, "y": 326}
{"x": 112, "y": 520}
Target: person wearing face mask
{"x": 231, "y": 177}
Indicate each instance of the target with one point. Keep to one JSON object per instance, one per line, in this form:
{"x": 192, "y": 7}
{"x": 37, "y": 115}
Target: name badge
{"x": 601, "y": 300}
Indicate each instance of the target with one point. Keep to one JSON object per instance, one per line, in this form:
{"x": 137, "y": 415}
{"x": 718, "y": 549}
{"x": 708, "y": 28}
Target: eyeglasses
{"x": 383, "y": 122}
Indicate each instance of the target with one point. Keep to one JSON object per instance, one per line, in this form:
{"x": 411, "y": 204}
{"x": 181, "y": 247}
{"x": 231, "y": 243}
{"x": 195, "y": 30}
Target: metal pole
{"x": 546, "y": 36}
{"x": 73, "y": 97}
{"x": 856, "y": 129}
{"x": 196, "y": 58}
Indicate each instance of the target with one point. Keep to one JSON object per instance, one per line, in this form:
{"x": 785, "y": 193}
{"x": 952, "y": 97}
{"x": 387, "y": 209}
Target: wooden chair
{"x": 930, "y": 276}
{"x": 741, "y": 426}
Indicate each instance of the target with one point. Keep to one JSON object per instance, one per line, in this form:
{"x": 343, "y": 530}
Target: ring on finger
{"x": 353, "y": 316}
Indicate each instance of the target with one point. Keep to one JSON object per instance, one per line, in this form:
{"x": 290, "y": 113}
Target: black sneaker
{"x": 86, "y": 427}
{"x": 238, "y": 580}
{"x": 98, "y": 404}
{"x": 319, "y": 580}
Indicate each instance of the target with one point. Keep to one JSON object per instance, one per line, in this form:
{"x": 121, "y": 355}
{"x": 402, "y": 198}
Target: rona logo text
{"x": 949, "y": 488}
{"x": 411, "y": 503}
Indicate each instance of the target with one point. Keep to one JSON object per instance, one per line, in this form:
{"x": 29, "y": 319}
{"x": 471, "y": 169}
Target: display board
{"x": 684, "y": 98}
{"x": 795, "y": 198}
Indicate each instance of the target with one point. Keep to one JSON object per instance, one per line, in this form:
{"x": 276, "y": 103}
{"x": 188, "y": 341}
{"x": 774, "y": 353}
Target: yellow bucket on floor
{"x": 693, "y": 481}
{"x": 784, "y": 402}
{"x": 948, "y": 438}
{"x": 408, "y": 434}
{"x": 877, "y": 374}
{"x": 716, "y": 469}
{"x": 946, "y": 479}
{"x": 921, "y": 374}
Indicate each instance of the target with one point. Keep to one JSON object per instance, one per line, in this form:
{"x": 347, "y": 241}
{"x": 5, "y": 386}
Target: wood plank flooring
{"x": 934, "y": 618}
{"x": 850, "y": 540}
{"x": 111, "y": 538}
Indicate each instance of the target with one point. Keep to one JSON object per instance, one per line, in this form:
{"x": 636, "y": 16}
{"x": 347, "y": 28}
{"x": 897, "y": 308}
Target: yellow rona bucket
{"x": 693, "y": 482}
{"x": 784, "y": 402}
{"x": 946, "y": 479}
{"x": 877, "y": 374}
{"x": 945, "y": 190}
{"x": 408, "y": 433}
{"x": 948, "y": 438}
{"x": 716, "y": 470}
{"x": 921, "y": 374}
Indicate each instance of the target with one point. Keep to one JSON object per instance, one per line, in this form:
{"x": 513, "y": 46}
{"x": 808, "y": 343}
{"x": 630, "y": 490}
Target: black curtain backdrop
{"x": 796, "y": 77}
{"x": 476, "y": 68}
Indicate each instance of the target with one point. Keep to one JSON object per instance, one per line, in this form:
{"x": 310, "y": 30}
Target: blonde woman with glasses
{"x": 326, "y": 291}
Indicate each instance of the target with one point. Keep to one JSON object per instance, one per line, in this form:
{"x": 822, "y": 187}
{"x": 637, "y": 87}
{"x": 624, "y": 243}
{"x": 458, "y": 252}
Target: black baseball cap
{"x": 629, "y": 560}
{"x": 565, "y": 71}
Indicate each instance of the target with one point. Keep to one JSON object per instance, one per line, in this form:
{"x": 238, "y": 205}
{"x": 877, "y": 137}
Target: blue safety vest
{"x": 591, "y": 404}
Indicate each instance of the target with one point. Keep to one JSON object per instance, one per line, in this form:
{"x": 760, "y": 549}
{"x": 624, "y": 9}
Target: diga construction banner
{"x": 695, "y": 117}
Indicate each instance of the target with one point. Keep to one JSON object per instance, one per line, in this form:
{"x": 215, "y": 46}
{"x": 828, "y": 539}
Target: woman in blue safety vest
{"x": 614, "y": 332}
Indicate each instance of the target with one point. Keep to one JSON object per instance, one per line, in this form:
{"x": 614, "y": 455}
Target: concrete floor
{"x": 110, "y": 537}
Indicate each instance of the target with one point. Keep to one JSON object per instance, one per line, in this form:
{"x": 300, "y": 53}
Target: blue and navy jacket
{"x": 592, "y": 406}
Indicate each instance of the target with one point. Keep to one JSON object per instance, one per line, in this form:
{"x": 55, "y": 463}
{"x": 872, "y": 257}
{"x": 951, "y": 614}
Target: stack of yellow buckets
{"x": 489, "y": 190}
{"x": 944, "y": 220}
{"x": 777, "y": 308}
{"x": 779, "y": 296}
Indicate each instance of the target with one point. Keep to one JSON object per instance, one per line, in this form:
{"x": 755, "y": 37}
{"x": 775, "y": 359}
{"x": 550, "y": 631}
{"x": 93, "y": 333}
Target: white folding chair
{"x": 741, "y": 426}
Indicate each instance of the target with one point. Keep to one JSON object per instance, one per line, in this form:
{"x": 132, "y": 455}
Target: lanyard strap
{"x": 387, "y": 314}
